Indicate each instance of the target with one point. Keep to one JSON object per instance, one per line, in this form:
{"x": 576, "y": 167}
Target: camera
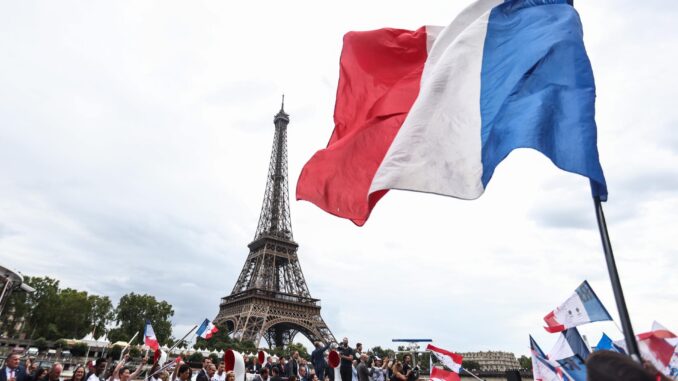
{"x": 415, "y": 373}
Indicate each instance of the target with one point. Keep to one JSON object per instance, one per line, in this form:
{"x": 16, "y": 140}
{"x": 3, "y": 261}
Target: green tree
{"x": 525, "y": 362}
{"x": 42, "y": 306}
{"x": 115, "y": 351}
{"x": 132, "y": 312}
{"x": 71, "y": 317}
{"x": 40, "y": 343}
{"x": 195, "y": 357}
{"x": 61, "y": 343}
{"x": 79, "y": 349}
{"x": 100, "y": 314}
{"x": 300, "y": 348}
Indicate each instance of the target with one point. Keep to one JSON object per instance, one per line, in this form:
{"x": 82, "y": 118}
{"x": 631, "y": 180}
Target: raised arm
{"x": 137, "y": 372}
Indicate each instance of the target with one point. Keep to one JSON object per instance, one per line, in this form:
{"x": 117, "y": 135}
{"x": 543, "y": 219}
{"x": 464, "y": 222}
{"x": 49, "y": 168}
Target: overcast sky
{"x": 135, "y": 138}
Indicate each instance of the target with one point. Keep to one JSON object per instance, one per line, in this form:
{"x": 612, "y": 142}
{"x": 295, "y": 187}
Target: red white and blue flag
{"x": 451, "y": 360}
{"x": 438, "y": 374}
{"x": 436, "y": 110}
{"x": 581, "y": 308}
{"x": 149, "y": 337}
{"x": 206, "y": 329}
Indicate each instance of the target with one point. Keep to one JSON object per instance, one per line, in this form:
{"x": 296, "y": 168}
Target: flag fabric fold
{"x": 607, "y": 344}
{"x": 443, "y": 375}
{"x": 451, "y": 360}
{"x": 149, "y": 337}
{"x": 580, "y": 308}
{"x": 206, "y": 329}
{"x": 437, "y": 111}
{"x": 542, "y": 368}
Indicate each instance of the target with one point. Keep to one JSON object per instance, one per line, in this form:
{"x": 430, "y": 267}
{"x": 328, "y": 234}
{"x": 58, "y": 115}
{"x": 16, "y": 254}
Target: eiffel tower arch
{"x": 270, "y": 299}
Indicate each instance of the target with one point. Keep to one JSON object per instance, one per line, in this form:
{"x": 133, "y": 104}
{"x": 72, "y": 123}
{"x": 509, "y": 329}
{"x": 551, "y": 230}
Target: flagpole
{"x": 182, "y": 339}
{"x": 474, "y": 376}
{"x": 631, "y": 344}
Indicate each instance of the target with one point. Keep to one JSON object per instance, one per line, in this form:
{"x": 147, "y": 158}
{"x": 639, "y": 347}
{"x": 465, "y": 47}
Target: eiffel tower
{"x": 271, "y": 300}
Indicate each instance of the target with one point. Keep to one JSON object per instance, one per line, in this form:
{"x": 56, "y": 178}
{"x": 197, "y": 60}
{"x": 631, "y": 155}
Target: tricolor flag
{"x": 580, "y": 308}
{"x": 436, "y": 111}
{"x": 659, "y": 347}
{"x": 149, "y": 337}
{"x": 570, "y": 352}
{"x": 206, "y": 329}
{"x": 542, "y": 368}
{"x": 451, "y": 360}
{"x": 443, "y": 375}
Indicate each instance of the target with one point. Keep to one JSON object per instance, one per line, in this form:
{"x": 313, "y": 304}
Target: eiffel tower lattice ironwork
{"x": 270, "y": 299}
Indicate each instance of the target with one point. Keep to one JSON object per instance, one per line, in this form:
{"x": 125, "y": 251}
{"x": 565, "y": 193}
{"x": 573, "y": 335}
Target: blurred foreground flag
{"x": 443, "y": 375}
{"x": 659, "y": 347}
{"x": 437, "y": 110}
{"x": 543, "y": 369}
{"x": 580, "y": 308}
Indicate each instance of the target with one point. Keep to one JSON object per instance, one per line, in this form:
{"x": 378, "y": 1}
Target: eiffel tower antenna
{"x": 270, "y": 299}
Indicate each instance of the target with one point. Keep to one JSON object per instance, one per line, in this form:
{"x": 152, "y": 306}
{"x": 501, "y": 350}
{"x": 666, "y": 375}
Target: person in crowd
{"x": 78, "y": 374}
{"x": 407, "y": 363}
{"x": 292, "y": 378}
{"x": 163, "y": 376}
{"x": 54, "y": 373}
{"x": 123, "y": 373}
{"x": 230, "y": 376}
{"x": 269, "y": 364}
{"x": 613, "y": 366}
{"x": 13, "y": 371}
{"x": 303, "y": 373}
{"x": 221, "y": 372}
{"x": 275, "y": 374}
{"x": 378, "y": 370}
{"x": 358, "y": 350}
{"x": 362, "y": 370}
{"x": 398, "y": 374}
{"x": 99, "y": 369}
{"x": 303, "y": 364}
{"x": 318, "y": 359}
{"x": 39, "y": 375}
{"x": 346, "y": 366}
{"x": 202, "y": 375}
{"x": 181, "y": 372}
{"x": 282, "y": 363}
{"x": 211, "y": 371}
{"x": 292, "y": 367}
{"x": 263, "y": 375}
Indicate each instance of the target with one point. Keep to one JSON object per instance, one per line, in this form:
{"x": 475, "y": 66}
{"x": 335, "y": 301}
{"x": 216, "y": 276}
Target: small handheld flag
{"x": 450, "y": 359}
{"x": 581, "y": 308}
{"x": 206, "y": 329}
{"x": 443, "y": 375}
{"x": 149, "y": 337}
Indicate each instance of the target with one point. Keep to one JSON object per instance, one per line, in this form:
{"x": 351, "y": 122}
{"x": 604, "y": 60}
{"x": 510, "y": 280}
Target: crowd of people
{"x": 353, "y": 365}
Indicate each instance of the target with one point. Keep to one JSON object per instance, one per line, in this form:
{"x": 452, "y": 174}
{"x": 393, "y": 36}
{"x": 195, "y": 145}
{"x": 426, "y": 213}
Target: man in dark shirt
{"x": 292, "y": 368}
{"x": 202, "y": 375}
{"x": 318, "y": 359}
{"x": 275, "y": 374}
{"x": 346, "y": 367}
{"x": 13, "y": 371}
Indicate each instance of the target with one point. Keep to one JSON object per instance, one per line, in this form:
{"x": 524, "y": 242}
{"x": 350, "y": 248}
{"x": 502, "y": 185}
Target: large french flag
{"x": 437, "y": 110}
{"x": 580, "y": 308}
